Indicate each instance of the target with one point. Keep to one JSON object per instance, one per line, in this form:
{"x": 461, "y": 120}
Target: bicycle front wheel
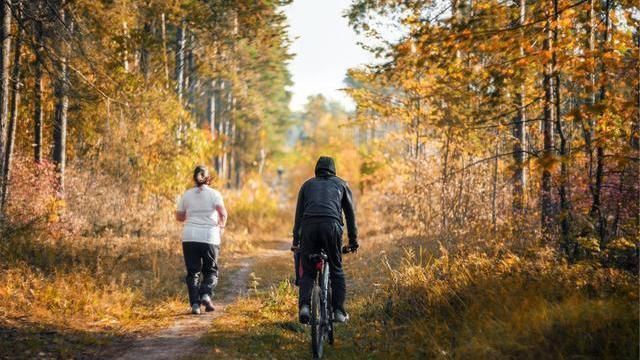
{"x": 317, "y": 331}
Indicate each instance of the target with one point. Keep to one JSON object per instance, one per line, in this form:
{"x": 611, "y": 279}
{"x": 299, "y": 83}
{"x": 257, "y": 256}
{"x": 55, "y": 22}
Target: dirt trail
{"x": 181, "y": 339}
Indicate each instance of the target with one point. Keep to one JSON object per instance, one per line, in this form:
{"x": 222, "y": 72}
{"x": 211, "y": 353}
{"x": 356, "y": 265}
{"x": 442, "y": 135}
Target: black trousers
{"x": 201, "y": 260}
{"x": 327, "y": 236}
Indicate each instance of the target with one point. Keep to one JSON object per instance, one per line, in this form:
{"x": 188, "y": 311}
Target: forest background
{"x": 494, "y": 150}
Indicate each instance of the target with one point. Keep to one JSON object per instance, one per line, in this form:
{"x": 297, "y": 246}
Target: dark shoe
{"x": 208, "y": 305}
{"x": 340, "y": 316}
{"x": 195, "y": 309}
{"x": 305, "y": 314}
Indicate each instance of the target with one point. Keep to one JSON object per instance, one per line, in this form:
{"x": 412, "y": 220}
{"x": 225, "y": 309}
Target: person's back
{"x": 318, "y": 225}
{"x": 201, "y": 223}
{"x": 202, "y": 210}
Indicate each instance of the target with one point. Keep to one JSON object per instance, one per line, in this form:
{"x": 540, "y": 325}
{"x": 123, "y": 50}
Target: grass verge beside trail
{"x": 416, "y": 304}
{"x": 74, "y": 297}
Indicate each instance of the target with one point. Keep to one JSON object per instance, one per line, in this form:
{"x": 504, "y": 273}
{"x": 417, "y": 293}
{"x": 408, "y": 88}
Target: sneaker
{"x": 340, "y": 316}
{"x": 195, "y": 309}
{"x": 305, "y": 314}
{"x": 208, "y": 305}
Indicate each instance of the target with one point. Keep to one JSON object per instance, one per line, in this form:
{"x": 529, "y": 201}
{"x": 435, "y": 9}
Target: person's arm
{"x": 181, "y": 211}
{"x": 350, "y": 215}
{"x": 298, "y": 218}
{"x": 218, "y": 205}
{"x": 222, "y": 215}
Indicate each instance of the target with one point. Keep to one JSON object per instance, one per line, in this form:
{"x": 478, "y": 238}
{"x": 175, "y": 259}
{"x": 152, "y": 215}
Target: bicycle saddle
{"x": 318, "y": 257}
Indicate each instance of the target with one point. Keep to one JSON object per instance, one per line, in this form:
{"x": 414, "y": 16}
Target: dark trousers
{"x": 327, "y": 236}
{"x": 201, "y": 260}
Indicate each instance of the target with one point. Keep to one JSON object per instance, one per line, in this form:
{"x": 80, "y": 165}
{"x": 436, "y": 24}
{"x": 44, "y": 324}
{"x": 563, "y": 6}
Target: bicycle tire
{"x": 317, "y": 330}
{"x": 330, "y": 337}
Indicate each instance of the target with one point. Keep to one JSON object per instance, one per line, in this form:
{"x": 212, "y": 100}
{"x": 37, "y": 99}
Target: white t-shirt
{"x": 201, "y": 224}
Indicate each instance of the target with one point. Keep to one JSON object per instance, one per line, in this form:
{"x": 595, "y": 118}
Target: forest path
{"x": 181, "y": 339}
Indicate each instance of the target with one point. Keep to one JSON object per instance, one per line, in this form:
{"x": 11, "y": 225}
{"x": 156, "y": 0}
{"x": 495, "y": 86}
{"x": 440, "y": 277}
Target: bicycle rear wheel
{"x": 329, "y": 316}
{"x": 317, "y": 331}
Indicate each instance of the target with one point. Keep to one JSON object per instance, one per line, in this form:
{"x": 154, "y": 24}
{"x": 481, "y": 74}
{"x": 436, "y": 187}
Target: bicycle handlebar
{"x": 345, "y": 249}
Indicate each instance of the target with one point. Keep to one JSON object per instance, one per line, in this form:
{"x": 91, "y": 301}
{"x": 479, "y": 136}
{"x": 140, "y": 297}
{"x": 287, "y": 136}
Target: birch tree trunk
{"x": 180, "y": 57}
{"x": 61, "y": 90}
{"x": 520, "y": 130}
{"x": 125, "y": 46}
{"x": 192, "y": 77}
{"x": 37, "y": 91}
{"x": 546, "y": 200}
{"x": 211, "y": 107}
{"x": 13, "y": 107}
{"x": 165, "y": 56}
{"x": 5, "y": 50}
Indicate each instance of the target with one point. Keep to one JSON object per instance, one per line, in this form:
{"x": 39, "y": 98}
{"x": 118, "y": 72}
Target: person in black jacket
{"x": 318, "y": 225}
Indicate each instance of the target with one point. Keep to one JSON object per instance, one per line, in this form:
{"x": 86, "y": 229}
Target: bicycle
{"x": 321, "y": 321}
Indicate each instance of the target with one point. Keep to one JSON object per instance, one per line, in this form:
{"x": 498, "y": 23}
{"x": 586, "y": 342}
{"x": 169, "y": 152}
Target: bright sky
{"x": 325, "y": 47}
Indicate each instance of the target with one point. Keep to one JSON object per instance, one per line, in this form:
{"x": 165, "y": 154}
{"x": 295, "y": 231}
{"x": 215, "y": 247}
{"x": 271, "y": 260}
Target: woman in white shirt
{"x": 202, "y": 210}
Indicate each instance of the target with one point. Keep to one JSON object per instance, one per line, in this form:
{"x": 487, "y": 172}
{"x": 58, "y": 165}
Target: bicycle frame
{"x": 321, "y": 305}
{"x": 322, "y": 325}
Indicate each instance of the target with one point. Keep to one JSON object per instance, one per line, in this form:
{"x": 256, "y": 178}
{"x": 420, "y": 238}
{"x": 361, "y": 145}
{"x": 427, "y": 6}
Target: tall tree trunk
{"x": 192, "y": 77}
{"x": 15, "y": 101}
{"x": 180, "y": 57}
{"x": 596, "y": 206}
{"x": 520, "y": 130}
{"x": 445, "y": 180}
{"x": 565, "y": 211}
{"x": 546, "y": 199}
{"x": 5, "y": 50}
{"x": 38, "y": 115}
{"x": 232, "y": 140}
{"x": 226, "y": 132}
{"x": 589, "y": 125}
{"x": 125, "y": 47}
{"x": 494, "y": 188}
{"x": 165, "y": 56}
{"x": 61, "y": 90}
{"x": 144, "y": 51}
{"x": 221, "y": 116}
{"x": 635, "y": 131}
{"x": 211, "y": 107}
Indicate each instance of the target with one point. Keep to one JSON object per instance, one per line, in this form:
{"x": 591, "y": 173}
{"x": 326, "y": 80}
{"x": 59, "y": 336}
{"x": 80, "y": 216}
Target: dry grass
{"x": 409, "y": 299}
{"x": 64, "y": 296}
{"x": 480, "y": 305}
{"x": 70, "y": 291}
{"x": 100, "y": 270}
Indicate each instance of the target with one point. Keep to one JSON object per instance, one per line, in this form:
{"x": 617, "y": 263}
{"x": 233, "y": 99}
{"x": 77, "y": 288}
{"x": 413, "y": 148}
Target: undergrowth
{"x": 104, "y": 265}
{"x": 408, "y": 298}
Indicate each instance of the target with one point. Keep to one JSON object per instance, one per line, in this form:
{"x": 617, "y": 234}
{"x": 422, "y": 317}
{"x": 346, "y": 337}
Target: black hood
{"x": 325, "y": 166}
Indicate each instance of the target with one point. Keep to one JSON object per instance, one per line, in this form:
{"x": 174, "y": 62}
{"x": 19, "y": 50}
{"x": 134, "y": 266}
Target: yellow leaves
{"x": 622, "y": 244}
{"x": 55, "y": 208}
{"x": 567, "y": 20}
{"x": 589, "y": 244}
{"x": 548, "y": 161}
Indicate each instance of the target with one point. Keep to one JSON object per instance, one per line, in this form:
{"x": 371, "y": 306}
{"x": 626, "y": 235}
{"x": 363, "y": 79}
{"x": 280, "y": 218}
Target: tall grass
{"x": 504, "y": 305}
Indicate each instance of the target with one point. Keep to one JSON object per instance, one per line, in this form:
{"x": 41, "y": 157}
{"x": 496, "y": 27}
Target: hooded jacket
{"x": 324, "y": 198}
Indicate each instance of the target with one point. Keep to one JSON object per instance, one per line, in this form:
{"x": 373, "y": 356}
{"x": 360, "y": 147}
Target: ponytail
{"x": 201, "y": 176}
